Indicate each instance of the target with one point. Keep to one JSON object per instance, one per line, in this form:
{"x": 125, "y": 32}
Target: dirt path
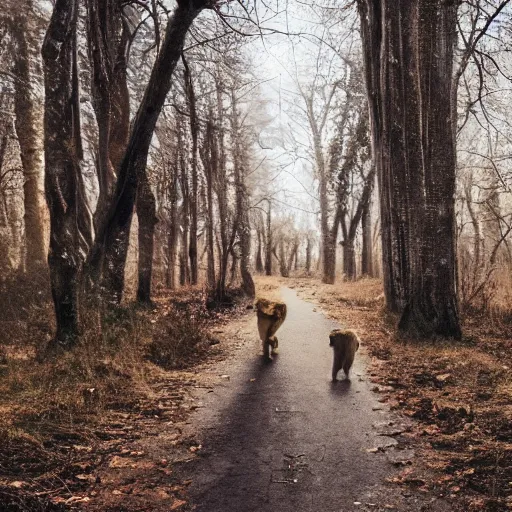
{"x": 281, "y": 437}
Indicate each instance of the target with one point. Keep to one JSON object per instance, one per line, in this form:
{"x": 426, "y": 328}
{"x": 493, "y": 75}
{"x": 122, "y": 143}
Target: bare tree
{"x": 70, "y": 234}
{"x": 419, "y": 242}
{"x": 28, "y": 124}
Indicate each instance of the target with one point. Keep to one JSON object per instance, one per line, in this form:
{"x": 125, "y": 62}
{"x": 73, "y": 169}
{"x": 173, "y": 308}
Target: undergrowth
{"x": 49, "y": 408}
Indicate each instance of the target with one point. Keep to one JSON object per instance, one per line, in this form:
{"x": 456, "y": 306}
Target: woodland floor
{"x": 459, "y": 395}
{"x": 115, "y": 433}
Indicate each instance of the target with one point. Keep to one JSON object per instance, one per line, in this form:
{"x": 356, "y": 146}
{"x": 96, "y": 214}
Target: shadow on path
{"x": 281, "y": 437}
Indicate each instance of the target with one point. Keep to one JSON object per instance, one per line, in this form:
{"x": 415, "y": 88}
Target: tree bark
{"x": 210, "y": 163}
{"x": 393, "y": 247}
{"x": 26, "y": 124}
{"x": 308, "y": 256}
{"x": 432, "y": 307}
{"x": 185, "y": 207}
{"x": 242, "y": 200}
{"x": 69, "y": 233}
{"x": 226, "y": 239}
{"x": 259, "y": 258}
{"x": 146, "y": 213}
{"x": 413, "y": 141}
{"x": 108, "y": 42}
{"x": 283, "y": 267}
{"x": 135, "y": 157}
{"x": 367, "y": 249}
{"x": 268, "y": 243}
{"x": 194, "y": 131}
{"x": 172, "y": 240}
{"x": 349, "y": 260}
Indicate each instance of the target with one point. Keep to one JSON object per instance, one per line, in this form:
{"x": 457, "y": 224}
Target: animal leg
{"x": 336, "y": 367}
{"x": 275, "y": 344}
{"x": 267, "y": 349}
{"x": 347, "y": 364}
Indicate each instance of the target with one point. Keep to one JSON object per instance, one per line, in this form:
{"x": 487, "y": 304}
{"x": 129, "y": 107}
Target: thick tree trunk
{"x": 146, "y": 213}
{"x": 68, "y": 233}
{"x": 432, "y": 306}
{"x": 393, "y": 248}
{"x": 135, "y": 157}
{"x": 329, "y": 260}
{"x": 349, "y": 260}
{"x": 27, "y": 122}
{"x": 108, "y": 40}
{"x": 415, "y": 156}
{"x": 328, "y": 240}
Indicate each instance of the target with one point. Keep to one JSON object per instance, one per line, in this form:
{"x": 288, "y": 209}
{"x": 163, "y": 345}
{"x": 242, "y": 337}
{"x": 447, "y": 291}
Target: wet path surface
{"x": 281, "y": 437}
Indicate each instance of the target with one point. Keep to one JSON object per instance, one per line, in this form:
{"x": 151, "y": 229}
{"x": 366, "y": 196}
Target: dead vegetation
{"x": 81, "y": 429}
{"x": 460, "y": 394}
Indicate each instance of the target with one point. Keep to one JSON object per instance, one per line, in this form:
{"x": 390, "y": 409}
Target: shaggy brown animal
{"x": 271, "y": 315}
{"x": 345, "y": 344}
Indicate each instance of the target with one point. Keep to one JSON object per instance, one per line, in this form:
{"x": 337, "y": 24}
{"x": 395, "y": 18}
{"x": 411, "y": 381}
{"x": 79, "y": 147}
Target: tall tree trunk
{"x": 328, "y": 240}
{"x": 210, "y": 163}
{"x": 108, "y": 40}
{"x": 412, "y": 130}
{"x": 146, "y": 214}
{"x": 293, "y": 255}
{"x": 259, "y": 258}
{"x": 234, "y": 267}
{"x": 432, "y": 307}
{"x": 393, "y": 247}
{"x": 194, "y": 131}
{"x": 367, "y": 249}
{"x": 185, "y": 208}
{"x": 172, "y": 240}
{"x": 69, "y": 232}
{"x": 268, "y": 242}
{"x": 226, "y": 242}
{"x": 308, "y": 256}
{"x": 135, "y": 157}
{"x": 242, "y": 200}
{"x": 283, "y": 267}
{"x": 27, "y": 122}
{"x": 349, "y": 260}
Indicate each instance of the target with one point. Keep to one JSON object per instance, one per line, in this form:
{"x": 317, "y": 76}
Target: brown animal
{"x": 271, "y": 315}
{"x": 345, "y": 344}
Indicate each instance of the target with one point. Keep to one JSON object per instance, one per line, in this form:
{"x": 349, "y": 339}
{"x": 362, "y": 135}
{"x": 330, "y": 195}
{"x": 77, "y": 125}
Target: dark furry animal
{"x": 345, "y": 344}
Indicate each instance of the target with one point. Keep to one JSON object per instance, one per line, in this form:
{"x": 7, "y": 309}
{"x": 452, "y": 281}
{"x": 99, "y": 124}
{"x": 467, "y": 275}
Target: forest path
{"x": 281, "y": 437}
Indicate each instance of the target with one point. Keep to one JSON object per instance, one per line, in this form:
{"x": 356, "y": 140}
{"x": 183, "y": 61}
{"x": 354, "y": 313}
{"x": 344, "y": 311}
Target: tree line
{"x": 154, "y": 110}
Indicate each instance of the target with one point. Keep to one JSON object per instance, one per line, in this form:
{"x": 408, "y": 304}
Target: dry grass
{"x": 51, "y": 410}
{"x": 460, "y": 393}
